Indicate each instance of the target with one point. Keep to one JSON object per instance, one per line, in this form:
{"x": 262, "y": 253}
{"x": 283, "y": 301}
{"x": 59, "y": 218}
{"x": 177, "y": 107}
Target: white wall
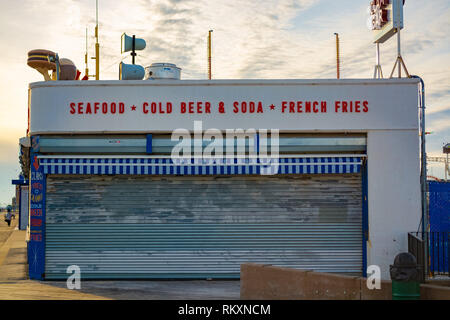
{"x": 77, "y": 106}
{"x": 393, "y": 194}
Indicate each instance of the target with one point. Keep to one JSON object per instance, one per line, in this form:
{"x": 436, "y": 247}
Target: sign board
{"x": 386, "y": 17}
{"x": 446, "y": 148}
{"x": 23, "y": 207}
{"x": 162, "y": 106}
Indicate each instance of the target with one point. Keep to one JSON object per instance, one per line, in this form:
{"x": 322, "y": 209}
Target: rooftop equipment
{"x": 162, "y": 71}
{"x": 131, "y": 44}
{"x": 131, "y": 72}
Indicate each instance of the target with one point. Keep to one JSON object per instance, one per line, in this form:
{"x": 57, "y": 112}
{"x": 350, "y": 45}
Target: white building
{"x": 107, "y": 196}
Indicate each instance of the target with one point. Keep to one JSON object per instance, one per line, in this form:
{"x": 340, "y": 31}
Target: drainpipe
{"x": 423, "y": 175}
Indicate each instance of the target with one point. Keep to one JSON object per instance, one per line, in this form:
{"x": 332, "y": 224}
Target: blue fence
{"x": 439, "y": 236}
{"x": 439, "y": 253}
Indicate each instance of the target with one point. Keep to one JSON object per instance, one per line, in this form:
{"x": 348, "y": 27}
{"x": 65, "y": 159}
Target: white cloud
{"x": 438, "y": 125}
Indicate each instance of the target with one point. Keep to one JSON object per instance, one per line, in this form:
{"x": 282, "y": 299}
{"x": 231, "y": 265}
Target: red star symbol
{"x": 272, "y": 107}
{"x": 133, "y": 107}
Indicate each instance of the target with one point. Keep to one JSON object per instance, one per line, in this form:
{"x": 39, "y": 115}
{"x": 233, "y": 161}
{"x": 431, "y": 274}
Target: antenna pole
{"x": 97, "y": 45}
{"x": 86, "y": 55}
{"x": 209, "y": 55}
{"x": 338, "y": 67}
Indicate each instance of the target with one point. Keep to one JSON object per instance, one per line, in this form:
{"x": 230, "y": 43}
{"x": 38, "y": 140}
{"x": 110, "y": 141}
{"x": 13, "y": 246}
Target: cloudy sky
{"x": 251, "y": 39}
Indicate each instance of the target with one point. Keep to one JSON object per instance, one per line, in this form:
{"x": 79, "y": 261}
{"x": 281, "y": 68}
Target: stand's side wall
{"x": 393, "y": 192}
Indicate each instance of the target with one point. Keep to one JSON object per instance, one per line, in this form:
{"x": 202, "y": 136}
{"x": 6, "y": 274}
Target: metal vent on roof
{"x": 162, "y": 71}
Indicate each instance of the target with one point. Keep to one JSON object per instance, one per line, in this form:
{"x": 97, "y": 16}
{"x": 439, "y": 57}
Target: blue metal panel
{"x": 439, "y": 205}
{"x": 149, "y": 144}
{"x": 439, "y": 212}
{"x": 36, "y": 245}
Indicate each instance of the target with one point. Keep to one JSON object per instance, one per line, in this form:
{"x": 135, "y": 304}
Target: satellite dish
{"x": 131, "y": 72}
{"x": 127, "y": 43}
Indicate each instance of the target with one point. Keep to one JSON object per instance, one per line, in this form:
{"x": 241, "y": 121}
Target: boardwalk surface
{"x": 14, "y": 283}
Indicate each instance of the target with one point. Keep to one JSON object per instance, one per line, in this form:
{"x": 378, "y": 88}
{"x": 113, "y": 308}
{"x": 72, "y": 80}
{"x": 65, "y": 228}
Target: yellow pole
{"x": 97, "y": 56}
{"x": 86, "y": 55}
{"x": 97, "y": 46}
{"x": 338, "y": 67}
{"x": 209, "y": 55}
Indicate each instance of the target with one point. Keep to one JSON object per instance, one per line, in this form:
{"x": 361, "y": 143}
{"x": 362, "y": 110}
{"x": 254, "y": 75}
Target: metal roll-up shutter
{"x": 201, "y": 226}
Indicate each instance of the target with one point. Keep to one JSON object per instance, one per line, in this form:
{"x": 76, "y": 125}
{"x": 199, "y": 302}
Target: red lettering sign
{"x": 36, "y": 222}
{"x": 206, "y": 107}
{"x": 36, "y": 237}
{"x": 36, "y": 212}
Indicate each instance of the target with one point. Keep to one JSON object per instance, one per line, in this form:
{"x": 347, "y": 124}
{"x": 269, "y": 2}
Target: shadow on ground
{"x": 14, "y": 283}
{"x": 159, "y": 290}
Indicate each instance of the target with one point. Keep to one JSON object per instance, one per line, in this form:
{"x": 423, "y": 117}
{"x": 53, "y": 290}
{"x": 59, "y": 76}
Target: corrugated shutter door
{"x": 201, "y": 227}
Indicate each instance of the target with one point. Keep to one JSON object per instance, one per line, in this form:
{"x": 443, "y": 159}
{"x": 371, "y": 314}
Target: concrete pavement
{"x": 14, "y": 283}
{"x": 160, "y": 290}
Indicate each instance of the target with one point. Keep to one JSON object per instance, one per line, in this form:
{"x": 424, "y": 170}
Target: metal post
{"x": 423, "y": 176}
{"x": 133, "y": 50}
{"x": 399, "y": 54}
{"x": 378, "y": 72}
{"x": 97, "y": 45}
{"x": 377, "y": 54}
{"x": 399, "y": 63}
{"x": 209, "y": 56}
{"x": 86, "y": 55}
{"x": 97, "y": 58}
{"x": 338, "y": 67}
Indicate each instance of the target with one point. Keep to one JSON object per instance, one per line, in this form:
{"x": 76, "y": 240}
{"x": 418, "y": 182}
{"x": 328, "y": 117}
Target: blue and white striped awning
{"x": 167, "y": 166}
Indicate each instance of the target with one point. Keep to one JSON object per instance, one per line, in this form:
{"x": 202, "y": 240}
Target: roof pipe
{"x": 423, "y": 174}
